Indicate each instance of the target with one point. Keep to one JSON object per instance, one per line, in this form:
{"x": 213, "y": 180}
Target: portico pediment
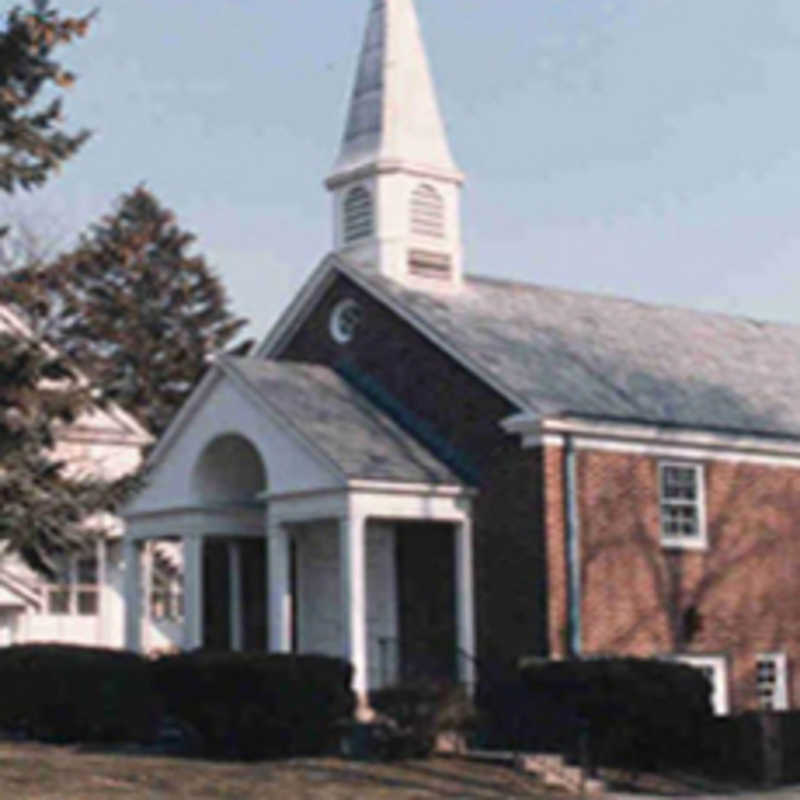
{"x": 221, "y": 409}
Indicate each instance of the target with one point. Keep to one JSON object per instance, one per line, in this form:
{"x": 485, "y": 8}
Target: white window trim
{"x": 700, "y": 541}
{"x": 73, "y": 590}
{"x": 720, "y": 697}
{"x": 780, "y": 700}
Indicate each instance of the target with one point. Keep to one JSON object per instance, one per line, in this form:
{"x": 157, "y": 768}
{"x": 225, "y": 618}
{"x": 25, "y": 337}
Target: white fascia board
{"x": 651, "y": 439}
{"x": 184, "y": 415}
{"x": 116, "y": 430}
{"x": 132, "y": 425}
{"x": 301, "y": 306}
{"x": 18, "y": 588}
{"x": 229, "y": 368}
{"x": 421, "y": 326}
{"x": 364, "y": 486}
{"x": 411, "y": 507}
{"x": 359, "y": 170}
{"x": 133, "y": 431}
{"x": 421, "y": 489}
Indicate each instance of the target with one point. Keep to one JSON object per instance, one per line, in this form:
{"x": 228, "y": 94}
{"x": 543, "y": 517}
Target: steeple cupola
{"x": 396, "y": 189}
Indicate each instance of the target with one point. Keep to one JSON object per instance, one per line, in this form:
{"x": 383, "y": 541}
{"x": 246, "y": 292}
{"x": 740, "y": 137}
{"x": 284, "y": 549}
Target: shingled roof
{"x": 571, "y": 353}
{"x": 355, "y": 435}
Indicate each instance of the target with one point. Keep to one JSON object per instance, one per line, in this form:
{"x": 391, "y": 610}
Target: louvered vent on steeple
{"x": 358, "y": 216}
{"x": 396, "y": 189}
{"x": 427, "y": 212}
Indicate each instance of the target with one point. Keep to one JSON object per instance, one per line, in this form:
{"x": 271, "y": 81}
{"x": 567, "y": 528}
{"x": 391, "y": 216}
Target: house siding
{"x": 635, "y": 593}
{"x": 445, "y": 404}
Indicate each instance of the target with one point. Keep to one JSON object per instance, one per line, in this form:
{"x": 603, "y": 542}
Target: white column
{"x": 102, "y": 579}
{"x": 280, "y": 589}
{"x": 235, "y": 589}
{"x": 193, "y": 592}
{"x": 352, "y": 557}
{"x": 465, "y": 603}
{"x": 147, "y": 594}
{"x": 133, "y": 594}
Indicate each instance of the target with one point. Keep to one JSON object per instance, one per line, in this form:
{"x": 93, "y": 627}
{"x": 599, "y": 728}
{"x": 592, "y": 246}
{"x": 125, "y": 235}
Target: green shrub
{"x": 420, "y": 711}
{"x": 64, "y": 693}
{"x": 623, "y": 711}
{"x": 256, "y": 705}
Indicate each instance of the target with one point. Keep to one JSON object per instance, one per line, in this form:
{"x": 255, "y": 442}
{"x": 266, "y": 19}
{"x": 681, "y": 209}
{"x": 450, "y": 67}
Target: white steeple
{"x": 396, "y": 189}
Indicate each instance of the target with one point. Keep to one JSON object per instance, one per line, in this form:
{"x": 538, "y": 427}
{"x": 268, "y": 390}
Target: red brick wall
{"x": 635, "y": 593}
{"x": 464, "y": 412}
{"x": 555, "y": 545}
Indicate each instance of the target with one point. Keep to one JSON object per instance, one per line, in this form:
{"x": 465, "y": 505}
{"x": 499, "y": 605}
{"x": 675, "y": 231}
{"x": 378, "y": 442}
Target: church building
{"x": 426, "y": 471}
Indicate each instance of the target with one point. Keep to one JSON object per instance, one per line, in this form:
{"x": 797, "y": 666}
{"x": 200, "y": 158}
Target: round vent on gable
{"x": 345, "y": 319}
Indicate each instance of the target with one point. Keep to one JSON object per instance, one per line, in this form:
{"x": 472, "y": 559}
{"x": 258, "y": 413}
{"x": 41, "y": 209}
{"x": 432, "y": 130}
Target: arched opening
{"x": 229, "y": 470}
{"x": 358, "y": 215}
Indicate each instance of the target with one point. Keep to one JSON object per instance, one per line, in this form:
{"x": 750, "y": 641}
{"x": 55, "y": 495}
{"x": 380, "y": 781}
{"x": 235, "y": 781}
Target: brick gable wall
{"x": 743, "y": 588}
{"x": 452, "y": 407}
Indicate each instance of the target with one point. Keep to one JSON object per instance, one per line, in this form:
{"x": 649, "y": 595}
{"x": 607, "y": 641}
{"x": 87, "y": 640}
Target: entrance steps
{"x": 550, "y": 768}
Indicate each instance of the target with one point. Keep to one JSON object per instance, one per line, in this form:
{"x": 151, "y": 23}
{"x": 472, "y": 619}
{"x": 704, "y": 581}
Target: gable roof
{"x": 573, "y": 353}
{"x": 361, "y": 440}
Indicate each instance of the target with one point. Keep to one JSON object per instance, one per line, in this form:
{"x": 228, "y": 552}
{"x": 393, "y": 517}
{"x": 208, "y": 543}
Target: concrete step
{"x": 550, "y": 768}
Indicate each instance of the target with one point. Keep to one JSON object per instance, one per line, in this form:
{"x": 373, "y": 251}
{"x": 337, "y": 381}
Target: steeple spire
{"x": 395, "y": 184}
{"x": 394, "y": 114}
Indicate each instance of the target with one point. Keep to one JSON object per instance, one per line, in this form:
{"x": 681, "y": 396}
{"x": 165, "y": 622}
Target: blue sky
{"x": 647, "y": 148}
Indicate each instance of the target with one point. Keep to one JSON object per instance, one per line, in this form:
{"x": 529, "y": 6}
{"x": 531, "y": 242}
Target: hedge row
{"x": 255, "y": 705}
{"x": 614, "y": 711}
{"x": 64, "y": 693}
{"x": 236, "y": 704}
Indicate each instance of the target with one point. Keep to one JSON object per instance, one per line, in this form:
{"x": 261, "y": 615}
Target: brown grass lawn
{"x": 39, "y": 772}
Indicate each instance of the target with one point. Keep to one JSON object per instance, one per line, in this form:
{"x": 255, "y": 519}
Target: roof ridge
{"x": 649, "y": 304}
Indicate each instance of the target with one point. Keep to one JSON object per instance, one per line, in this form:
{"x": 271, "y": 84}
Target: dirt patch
{"x": 38, "y": 772}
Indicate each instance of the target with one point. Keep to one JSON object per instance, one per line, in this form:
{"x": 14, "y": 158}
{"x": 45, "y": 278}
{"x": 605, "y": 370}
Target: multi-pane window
{"x": 166, "y": 592}
{"x": 75, "y": 590}
{"x": 358, "y": 215}
{"x": 771, "y": 681}
{"x": 427, "y": 212}
{"x": 682, "y": 512}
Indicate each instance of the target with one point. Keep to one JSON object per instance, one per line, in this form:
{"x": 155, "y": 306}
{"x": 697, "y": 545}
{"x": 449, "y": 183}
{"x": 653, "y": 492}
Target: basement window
{"x": 772, "y": 684}
{"x": 682, "y": 505}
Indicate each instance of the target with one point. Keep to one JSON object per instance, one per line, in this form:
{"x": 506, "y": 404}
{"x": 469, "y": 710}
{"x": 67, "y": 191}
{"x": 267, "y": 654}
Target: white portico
{"x": 302, "y": 511}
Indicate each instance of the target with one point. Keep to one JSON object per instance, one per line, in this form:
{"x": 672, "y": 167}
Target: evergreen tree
{"x": 33, "y": 141}
{"x": 42, "y": 506}
{"x": 135, "y": 309}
